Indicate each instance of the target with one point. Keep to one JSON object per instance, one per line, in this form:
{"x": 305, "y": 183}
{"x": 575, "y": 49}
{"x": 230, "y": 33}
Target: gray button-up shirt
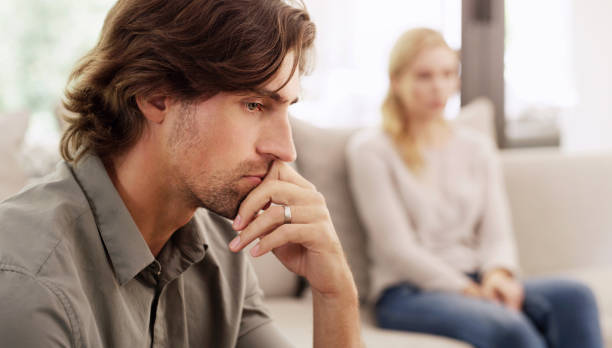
{"x": 76, "y": 272}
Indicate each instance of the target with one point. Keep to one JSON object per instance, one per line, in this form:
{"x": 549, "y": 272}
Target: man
{"x": 181, "y": 105}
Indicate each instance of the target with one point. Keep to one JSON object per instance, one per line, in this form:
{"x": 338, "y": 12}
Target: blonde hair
{"x": 394, "y": 121}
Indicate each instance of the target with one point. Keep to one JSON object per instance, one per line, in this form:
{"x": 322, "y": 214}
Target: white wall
{"x": 588, "y": 126}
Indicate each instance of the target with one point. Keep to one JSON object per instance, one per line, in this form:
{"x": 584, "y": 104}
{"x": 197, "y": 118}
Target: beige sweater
{"x": 432, "y": 229}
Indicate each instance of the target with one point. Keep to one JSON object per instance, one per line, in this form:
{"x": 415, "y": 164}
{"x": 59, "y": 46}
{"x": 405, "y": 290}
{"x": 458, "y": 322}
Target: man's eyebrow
{"x": 273, "y": 95}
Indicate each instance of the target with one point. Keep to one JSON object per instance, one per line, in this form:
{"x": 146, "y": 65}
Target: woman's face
{"x": 425, "y": 86}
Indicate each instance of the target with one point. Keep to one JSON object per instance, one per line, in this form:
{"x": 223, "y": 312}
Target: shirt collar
{"x": 126, "y": 248}
{"x": 186, "y": 247}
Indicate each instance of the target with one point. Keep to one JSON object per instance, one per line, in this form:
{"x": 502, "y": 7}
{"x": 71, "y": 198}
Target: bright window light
{"x": 354, "y": 39}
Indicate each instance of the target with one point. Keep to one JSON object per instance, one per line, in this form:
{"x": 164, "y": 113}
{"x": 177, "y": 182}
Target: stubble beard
{"x": 221, "y": 196}
{"x": 220, "y": 192}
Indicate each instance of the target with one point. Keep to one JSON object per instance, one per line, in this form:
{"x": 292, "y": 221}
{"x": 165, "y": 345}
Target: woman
{"x": 432, "y": 199}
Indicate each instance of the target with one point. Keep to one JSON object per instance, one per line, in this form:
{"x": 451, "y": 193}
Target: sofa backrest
{"x": 12, "y": 132}
{"x": 321, "y": 160}
{"x": 561, "y": 207}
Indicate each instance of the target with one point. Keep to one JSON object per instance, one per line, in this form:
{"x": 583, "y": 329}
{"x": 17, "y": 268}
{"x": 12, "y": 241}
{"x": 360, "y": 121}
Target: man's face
{"x": 220, "y": 149}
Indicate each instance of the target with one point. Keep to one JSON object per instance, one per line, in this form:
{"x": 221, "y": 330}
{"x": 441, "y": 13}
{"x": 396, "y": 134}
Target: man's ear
{"x": 153, "y": 108}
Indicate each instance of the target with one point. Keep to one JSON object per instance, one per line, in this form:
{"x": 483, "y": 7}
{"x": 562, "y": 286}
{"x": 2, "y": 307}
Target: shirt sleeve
{"x": 256, "y": 327}
{"x": 497, "y": 248}
{"x": 32, "y": 314}
{"x": 390, "y": 233}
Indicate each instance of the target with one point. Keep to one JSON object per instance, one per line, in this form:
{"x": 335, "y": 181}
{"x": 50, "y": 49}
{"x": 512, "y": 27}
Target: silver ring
{"x": 287, "y": 214}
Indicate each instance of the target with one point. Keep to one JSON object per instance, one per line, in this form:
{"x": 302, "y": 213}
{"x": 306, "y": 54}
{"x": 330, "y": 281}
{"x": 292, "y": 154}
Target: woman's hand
{"x": 499, "y": 285}
{"x": 472, "y": 290}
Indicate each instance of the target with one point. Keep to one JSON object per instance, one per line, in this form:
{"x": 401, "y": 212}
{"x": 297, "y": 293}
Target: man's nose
{"x": 277, "y": 140}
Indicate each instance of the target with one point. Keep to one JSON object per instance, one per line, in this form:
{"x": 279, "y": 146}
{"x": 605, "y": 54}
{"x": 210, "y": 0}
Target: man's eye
{"x": 254, "y": 106}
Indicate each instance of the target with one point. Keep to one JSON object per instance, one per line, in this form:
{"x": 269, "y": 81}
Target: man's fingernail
{"x": 235, "y": 242}
{"x": 255, "y": 250}
{"x": 236, "y": 223}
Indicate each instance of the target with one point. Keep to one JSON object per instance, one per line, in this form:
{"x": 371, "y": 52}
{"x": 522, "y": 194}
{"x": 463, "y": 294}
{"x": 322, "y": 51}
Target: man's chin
{"x": 228, "y": 214}
{"x": 228, "y": 209}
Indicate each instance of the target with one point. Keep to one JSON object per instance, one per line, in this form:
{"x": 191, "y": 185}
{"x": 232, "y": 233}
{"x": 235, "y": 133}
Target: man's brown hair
{"x": 187, "y": 49}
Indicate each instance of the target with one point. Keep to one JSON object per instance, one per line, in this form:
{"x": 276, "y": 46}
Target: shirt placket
{"x": 157, "y": 326}
{"x": 160, "y": 332}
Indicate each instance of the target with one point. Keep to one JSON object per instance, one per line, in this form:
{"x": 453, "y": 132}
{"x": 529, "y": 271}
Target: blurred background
{"x": 545, "y": 64}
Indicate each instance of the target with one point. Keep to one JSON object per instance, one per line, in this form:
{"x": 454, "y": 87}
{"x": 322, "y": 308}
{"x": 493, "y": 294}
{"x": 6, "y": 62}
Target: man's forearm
{"x": 336, "y": 319}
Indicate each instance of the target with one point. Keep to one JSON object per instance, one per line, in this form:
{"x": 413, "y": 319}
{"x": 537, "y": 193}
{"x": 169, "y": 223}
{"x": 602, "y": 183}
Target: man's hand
{"x": 499, "y": 285}
{"x": 307, "y": 246}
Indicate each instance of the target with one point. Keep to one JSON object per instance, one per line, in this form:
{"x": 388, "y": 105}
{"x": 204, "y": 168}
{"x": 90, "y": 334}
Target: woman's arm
{"x": 499, "y": 265}
{"x": 390, "y": 233}
{"x": 497, "y": 247}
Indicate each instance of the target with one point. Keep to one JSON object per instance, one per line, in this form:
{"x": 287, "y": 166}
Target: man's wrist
{"x": 346, "y": 294}
{"x": 336, "y": 317}
{"x": 342, "y": 287}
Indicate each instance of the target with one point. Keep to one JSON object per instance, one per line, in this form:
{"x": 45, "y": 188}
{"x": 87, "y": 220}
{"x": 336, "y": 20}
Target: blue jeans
{"x": 556, "y": 314}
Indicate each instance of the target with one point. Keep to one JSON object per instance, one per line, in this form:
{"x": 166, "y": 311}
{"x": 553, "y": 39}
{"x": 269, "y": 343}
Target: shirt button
{"x": 155, "y": 268}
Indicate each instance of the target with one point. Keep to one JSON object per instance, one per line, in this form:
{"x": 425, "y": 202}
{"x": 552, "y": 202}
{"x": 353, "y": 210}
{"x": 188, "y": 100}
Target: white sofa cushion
{"x": 560, "y": 205}
{"x": 294, "y": 318}
{"x": 12, "y": 130}
{"x": 321, "y": 160}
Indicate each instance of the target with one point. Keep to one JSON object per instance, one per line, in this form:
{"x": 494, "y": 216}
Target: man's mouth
{"x": 262, "y": 175}
{"x": 255, "y": 179}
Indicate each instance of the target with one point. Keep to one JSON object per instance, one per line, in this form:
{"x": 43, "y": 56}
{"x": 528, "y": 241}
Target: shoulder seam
{"x": 61, "y": 297}
{"x": 72, "y": 317}
{"x": 59, "y": 240}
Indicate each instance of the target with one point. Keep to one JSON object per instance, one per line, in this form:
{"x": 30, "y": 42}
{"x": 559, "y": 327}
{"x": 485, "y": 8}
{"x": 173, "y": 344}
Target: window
{"x": 538, "y": 71}
{"x": 354, "y": 40}
{"x": 41, "y": 42}
{"x": 43, "y": 39}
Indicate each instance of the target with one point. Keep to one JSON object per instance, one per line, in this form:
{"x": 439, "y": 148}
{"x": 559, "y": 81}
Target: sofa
{"x": 561, "y": 206}
{"x": 13, "y": 127}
